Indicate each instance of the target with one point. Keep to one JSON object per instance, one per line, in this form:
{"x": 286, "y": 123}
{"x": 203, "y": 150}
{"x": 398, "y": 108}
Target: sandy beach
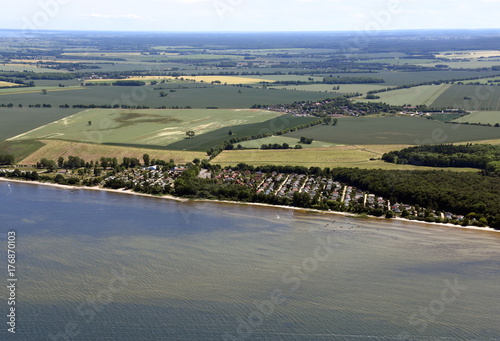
{"x": 170, "y": 197}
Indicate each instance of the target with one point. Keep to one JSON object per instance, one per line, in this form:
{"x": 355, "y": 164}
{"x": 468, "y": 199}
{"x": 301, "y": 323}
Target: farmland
{"x": 226, "y": 73}
{"x": 282, "y": 139}
{"x": 230, "y": 80}
{"x": 146, "y": 127}
{"x": 482, "y": 117}
{"x": 16, "y": 121}
{"x": 19, "y": 149}
{"x": 36, "y": 90}
{"x": 213, "y": 138}
{"x": 92, "y": 152}
{"x": 7, "y": 84}
{"x": 420, "y": 95}
{"x": 395, "y": 130}
{"x": 195, "y": 95}
{"x": 348, "y": 156}
{"x": 469, "y": 97}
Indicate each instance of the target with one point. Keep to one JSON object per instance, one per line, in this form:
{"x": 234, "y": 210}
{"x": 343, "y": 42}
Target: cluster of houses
{"x": 285, "y": 185}
{"x": 325, "y": 188}
{"x": 313, "y": 109}
{"x": 273, "y": 183}
{"x": 152, "y": 177}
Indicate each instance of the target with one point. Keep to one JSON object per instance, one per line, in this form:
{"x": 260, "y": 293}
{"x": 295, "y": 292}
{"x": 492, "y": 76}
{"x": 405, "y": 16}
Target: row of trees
{"x": 279, "y": 146}
{"x": 482, "y": 156}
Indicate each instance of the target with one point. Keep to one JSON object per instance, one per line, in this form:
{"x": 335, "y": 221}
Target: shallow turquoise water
{"x": 105, "y": 266}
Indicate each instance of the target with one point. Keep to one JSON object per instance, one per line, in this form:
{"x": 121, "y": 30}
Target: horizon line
{"x": 255, "y": 32}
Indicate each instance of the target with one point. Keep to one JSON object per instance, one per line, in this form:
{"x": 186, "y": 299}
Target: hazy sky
{"x": 248, "y": 15}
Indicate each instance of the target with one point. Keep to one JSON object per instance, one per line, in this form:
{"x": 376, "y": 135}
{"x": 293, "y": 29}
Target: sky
{"x": 248, "y": 15}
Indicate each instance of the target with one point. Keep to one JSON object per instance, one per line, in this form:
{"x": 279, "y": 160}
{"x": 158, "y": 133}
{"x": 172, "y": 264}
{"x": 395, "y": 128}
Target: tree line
{"x": 481, "y": 156}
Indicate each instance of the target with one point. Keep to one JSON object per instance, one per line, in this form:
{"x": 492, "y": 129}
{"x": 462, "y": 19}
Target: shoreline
{"x": 177, "y": 199}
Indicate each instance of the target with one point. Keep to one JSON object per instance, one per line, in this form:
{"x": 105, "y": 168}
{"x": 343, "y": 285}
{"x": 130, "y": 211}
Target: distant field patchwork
{"x": 206, "y": 79}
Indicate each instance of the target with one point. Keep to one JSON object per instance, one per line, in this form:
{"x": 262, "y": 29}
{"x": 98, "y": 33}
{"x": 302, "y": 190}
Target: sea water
{"x": 95, "y": 265}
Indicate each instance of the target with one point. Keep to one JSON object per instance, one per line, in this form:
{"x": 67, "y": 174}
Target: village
{"x": 158, "y": 180}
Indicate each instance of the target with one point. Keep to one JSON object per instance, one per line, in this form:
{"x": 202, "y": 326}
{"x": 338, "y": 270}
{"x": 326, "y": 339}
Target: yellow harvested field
{"x": 93, "y": 152}
{"x": 469, "y": 54}
{"x": 206, "y": 79}
{"x": 4, "y": 84}
{"x": 342, "y": 156}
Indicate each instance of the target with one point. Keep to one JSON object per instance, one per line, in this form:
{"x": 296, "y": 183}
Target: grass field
{"x": 282, "y": 139}
{"x": 483, "y": 117}
{"x": 191, "y": 94}
{"x": 91, "y": 152}
{"x": 144, "y": 127}
{"x": 469, "y": 97}
{"x": 344, "y": 88}
{"x": 347, "y": 156}
{"x": 205, "y": 141}
{"x": 37, "y": 90}
{"x": 396, "y": 130}
{"x": 28, "y": 67}
{"x": 20, "y": 149}
{"x": 15, "y": 121}
{"x": 425, "y": 95}
{"x": 493, "y": 80}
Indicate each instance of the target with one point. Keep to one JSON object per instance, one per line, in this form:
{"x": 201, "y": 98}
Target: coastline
{"x": 177, "y": 199}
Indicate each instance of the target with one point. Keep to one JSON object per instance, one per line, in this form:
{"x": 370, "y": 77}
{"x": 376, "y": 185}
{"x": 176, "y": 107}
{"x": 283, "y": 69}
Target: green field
{"x": 348, "y": 156}
{"x": 16, "y": 120}
{"x": 483, "y": 117}
{"x": 145, "y": 127}
{"x": 420, "y": 95}
{"x": 396, "y": 130}
{"x": 282, "y": 139}
{"x": 204, "y": 141}
{"x": 396, "y": 78}
{"x": 20, "y": 149}
{"x": 191, "y": 94}
{"x": 470, "y": 97}
{"x": 344, "y": 88}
